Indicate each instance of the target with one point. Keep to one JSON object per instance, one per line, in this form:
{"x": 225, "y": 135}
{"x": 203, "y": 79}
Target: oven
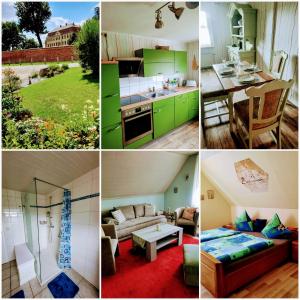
{"x": 137, "y": 123}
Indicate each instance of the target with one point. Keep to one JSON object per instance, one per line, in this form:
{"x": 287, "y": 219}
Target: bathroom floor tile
{"x": 76, "y": 277}
{"x": 15, "y": 283}
{"x": 14, "y": 271}
{"x": 86, "y": 290}
{"x": 35, "y": 286}
{"x": 45, "y": 293}
{"x": 6, "y": 296}
{"x": 13, "y": 263}
{"x": 5, "y": 273}
{"x": 26, "y": 288}
{"x": 5, "y": 286}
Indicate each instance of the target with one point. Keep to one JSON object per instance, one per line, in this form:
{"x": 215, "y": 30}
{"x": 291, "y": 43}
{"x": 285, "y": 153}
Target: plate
{"x": 246, "y": 79}
{"x": 226, "y": 70}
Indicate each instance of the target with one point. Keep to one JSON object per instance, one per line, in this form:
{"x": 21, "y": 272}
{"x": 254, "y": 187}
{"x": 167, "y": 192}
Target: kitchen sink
{"x": 160, "y": 93}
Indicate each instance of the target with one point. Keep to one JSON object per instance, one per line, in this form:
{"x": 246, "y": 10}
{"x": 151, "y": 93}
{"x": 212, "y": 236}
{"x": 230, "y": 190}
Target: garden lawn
{"x": 62, "y": 98}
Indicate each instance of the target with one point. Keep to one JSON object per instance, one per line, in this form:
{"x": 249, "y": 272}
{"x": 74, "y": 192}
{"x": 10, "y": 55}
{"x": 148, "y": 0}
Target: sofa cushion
{"x": 109, "y": 220}
{"x": 125, "y": 229}
{"x": 149, "y": 210}
{"x": 118, "y": 215}
{"x": 182, "y": 221}
{"x": 139, "y": 210}
{"x": 102, "y": 232}
{"x": 188, "y": 213}
{"x": 127, "y": 211}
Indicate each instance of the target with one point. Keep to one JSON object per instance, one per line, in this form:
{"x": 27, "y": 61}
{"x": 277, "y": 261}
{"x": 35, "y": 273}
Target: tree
{"x": 96, "y": 13}
{"x": 11, "y": 36}
{"x": 72, "y": 39}
{"x": 33, "y": 17}
{"x": 88, "y": 45}
{"x": 28, "y": 43}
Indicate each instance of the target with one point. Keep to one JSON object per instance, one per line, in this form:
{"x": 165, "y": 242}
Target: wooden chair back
{"x": 271, "y": 98}
{"x": 278, "y": 62}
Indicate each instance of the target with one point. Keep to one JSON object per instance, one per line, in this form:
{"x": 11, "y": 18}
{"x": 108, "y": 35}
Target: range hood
{"x": 129, "y": 66}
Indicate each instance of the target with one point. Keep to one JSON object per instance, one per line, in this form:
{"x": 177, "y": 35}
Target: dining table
{"x": 223, "y": 86}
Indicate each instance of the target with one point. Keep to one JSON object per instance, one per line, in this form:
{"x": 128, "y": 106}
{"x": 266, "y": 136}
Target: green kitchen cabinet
{"x": 193, "y": 103}
{"x": 155, "y": 69}
{"x": 110, "y": 80}
{"x": 137, "y": 144}
{"x": 112, "y": 137}
{"x": 180, "y": 62}
{"x": 163, "y": 116}
{"x": 181, "y": 109}
{"x": 111, "y": 111}
{"x": 155, "y": 56}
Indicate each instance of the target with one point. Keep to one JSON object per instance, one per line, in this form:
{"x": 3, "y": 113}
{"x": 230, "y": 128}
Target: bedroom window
{"x": 205, "y": 36}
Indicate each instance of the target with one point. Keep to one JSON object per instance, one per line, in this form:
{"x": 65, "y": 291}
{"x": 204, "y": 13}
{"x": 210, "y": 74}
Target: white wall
{"x": 85, "y": 225}
{"x": 12, "y": 224}
{"x": 214, "y": 212}
{"x": 289, "y": 217}
{"x": 219, "y": 26}
{"x": 278, "y": 20}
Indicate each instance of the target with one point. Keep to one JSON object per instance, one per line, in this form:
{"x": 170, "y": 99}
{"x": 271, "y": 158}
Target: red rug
{"x": 137, "y": 278}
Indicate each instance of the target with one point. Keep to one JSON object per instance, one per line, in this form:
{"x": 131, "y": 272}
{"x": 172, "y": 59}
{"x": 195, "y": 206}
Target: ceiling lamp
{"x": 159, "y": 23}
{"x": 177, "y": 11}
{"x": 191, "y": 5}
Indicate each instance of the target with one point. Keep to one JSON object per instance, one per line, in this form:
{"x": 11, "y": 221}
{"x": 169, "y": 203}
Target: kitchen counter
{"x": 179, "y": 91}
{"x": 109, "y": 62}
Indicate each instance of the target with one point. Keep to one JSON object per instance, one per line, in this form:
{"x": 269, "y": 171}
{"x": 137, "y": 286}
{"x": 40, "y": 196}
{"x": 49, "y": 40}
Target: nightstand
{"x": 295, "y": 251}
{"x": 228, "y": 226}
{"x": 294, "y": 230}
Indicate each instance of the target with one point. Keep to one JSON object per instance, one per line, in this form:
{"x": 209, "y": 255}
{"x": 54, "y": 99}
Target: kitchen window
{"x": 206, "y": 40}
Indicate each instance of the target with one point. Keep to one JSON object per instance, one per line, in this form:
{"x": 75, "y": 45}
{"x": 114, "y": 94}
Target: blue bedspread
{"x": 231, "y": 248}
{"x": 216, "y": 233}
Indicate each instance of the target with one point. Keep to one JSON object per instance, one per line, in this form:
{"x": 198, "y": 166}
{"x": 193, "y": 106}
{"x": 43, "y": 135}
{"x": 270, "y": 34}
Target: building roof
{"x": 66, "y": 26}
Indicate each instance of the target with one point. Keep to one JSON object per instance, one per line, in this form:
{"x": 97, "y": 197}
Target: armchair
{"x": 188, "y": 224}
{"x": 110, "y": 249}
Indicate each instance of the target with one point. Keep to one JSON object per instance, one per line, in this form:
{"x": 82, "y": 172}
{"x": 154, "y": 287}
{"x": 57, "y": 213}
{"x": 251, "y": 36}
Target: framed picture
{"x": 210, "y": 194}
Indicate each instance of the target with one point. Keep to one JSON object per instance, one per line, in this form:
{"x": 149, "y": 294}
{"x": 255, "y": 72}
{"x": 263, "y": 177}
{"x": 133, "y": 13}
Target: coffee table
{"x": 153, "y": 239}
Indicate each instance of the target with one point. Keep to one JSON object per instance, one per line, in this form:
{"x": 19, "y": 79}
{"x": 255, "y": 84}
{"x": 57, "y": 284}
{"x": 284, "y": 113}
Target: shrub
{"x": 54, "y": 68}
{"x": 34, "y": 75}
{"x": 65, "y": 66}
{"x": 88, "y": 45}
{"x": 11, "y": 82}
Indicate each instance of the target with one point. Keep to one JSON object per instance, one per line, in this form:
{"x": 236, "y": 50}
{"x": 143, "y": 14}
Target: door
{"x": 180, "y": 62}
{"x": 163, "y": 116}
{"x": 181, "y": 109}
{"x": 193, "y": 103}
{"x": 111, "y": 112}
{"x": 112, "y": 137}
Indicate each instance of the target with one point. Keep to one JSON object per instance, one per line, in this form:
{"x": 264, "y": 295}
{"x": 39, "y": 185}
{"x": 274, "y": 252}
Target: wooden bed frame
{"x": 221, "y": 282}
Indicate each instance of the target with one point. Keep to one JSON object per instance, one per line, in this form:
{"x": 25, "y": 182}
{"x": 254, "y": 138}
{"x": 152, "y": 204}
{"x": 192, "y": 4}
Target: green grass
{"x": 40, "y": 63}
{"x": 61, "y": 98}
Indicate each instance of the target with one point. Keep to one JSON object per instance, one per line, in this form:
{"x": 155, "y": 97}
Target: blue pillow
{"x": 275, "y": 229}
{"x": 259, "y": 224}
{"x": 243, "y": 222}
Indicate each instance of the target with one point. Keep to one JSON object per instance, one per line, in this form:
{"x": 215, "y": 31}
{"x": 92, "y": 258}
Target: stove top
{"x": 133, "y": 99}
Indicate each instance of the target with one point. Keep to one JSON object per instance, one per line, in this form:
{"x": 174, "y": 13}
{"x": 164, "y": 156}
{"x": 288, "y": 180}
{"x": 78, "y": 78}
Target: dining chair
{"x": 277, "y": 67}
{"x": 263, "y": 111}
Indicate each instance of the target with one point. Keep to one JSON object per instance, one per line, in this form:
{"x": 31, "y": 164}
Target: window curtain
{"x": 64, "y": 258}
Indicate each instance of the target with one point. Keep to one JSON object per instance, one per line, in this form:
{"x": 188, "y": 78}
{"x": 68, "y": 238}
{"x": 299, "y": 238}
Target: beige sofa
{"x": 135, "y": 220}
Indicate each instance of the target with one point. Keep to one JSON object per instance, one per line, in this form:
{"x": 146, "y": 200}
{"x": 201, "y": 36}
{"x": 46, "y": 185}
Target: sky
{"x": 62, "y": 12}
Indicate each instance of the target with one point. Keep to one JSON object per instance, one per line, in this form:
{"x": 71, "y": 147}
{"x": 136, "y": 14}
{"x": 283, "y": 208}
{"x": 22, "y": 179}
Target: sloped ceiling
{"x": 283, "y": 178}
{"x": 134, "y": 173}
{"x": 58, "y": 167}
{"x": 139, "y": 18}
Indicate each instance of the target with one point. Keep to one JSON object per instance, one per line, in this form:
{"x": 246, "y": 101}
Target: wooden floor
{"x": 183, "y": 137}
{"x": 282, "y": 282}
{"x": 216, "y": 133}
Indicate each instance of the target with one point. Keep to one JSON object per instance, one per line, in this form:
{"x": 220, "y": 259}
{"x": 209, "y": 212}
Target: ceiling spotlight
{"x": 159, "y": 23}
{"x": 177, "y": 11}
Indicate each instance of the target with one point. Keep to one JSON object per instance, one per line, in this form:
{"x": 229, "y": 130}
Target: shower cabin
{"x": 42, "y": 218}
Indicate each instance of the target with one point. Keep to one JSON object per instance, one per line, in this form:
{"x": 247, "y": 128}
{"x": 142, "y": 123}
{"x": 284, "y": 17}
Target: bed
{"x": 216, "y": 233}
{"x": 223, "y": 278}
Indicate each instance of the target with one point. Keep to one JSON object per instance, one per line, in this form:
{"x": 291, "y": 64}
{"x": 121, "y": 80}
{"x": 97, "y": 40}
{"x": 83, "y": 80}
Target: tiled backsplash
{"x": 135, "y": 85}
